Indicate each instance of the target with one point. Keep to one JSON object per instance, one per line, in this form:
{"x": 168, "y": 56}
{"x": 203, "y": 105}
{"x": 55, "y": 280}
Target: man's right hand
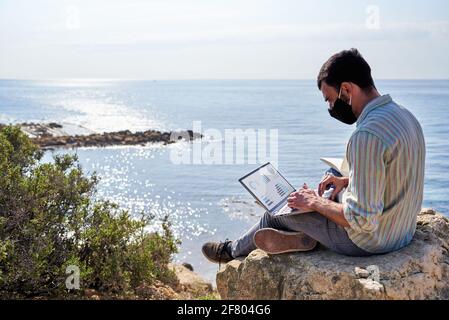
{"x": 339, "y": 183}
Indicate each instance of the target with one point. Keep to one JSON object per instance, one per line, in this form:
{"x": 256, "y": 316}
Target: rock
{"x": 428, "y": 211}
{"x": 54, "y": 125}
{"x": 156, "y": 291}
{"x": 52, "y": 135}
{"x": 418, "y": 271}
{"x": 191, "y": 282}
{"x": 165, "y": 292}
{"x": 92, "y": 294}
{"x": 372, "y": 286}
{"x": 188, "y": 266}
{"x": 361, "y": 273}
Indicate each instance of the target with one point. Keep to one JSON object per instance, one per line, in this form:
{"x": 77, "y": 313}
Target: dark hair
{"x": 346, "y": 66}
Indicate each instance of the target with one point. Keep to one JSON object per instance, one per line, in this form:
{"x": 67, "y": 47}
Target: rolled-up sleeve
{"x": 363, "y": 200}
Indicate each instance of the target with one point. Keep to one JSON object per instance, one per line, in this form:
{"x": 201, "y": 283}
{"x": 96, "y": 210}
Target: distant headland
{"x": 53, "y": 135}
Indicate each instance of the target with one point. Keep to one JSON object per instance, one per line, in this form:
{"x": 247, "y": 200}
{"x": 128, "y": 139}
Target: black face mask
{"x": 342, "y": 111}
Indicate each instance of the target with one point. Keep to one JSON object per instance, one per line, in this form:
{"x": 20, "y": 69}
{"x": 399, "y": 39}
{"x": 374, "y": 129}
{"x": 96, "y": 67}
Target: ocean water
{"x": 205, "y": 201}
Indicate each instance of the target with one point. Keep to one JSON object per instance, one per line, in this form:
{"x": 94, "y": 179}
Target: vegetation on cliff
{"x": 50, "y": 224}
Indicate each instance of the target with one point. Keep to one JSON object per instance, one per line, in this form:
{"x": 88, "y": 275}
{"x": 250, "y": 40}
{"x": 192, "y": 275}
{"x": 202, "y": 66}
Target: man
{"x": 384, "y": 190}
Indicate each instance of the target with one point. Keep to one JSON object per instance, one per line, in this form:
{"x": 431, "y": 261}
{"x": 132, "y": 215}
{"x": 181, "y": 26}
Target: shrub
{"x": 49, "y": 220}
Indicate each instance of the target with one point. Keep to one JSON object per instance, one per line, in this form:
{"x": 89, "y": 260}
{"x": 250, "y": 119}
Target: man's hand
{"x": 307, "y": 200}
{"x": 303, "y": 199}
{"x": 338, "y": 182}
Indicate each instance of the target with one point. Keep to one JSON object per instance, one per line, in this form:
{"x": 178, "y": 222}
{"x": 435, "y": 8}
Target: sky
{"x": 219, "y": 39}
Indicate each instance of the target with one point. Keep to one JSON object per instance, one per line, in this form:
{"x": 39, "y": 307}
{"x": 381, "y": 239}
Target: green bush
{"x": 49, "y": 221}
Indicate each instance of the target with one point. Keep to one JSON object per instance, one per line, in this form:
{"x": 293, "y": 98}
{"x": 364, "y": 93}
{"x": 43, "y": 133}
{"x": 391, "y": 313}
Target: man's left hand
{"x": 303, "y": 199}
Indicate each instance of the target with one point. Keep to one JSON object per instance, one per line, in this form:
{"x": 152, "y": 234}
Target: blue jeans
{"x": 316, "y": 226}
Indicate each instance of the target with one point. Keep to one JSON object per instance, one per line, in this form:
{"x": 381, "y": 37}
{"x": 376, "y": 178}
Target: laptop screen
{"x": 268, "y": 186}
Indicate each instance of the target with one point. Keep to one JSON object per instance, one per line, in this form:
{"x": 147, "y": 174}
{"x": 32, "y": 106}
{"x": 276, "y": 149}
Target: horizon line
{"x": 205, "y": 79}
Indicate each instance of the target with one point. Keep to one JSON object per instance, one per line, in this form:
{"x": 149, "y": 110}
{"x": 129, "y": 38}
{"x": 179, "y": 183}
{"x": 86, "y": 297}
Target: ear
{"x": 347, "y": 87}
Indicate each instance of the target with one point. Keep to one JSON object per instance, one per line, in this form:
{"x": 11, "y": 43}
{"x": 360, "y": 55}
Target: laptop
{"x": 271, "y": 190}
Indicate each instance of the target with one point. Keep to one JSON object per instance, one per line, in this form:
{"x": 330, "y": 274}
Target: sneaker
{"x": 275, "y": 241}
{"x": 217, "y": 252}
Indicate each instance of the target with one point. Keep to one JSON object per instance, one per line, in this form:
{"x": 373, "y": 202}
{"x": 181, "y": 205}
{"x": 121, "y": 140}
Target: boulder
{"x": 190, "y": 281}
{"x": 418, "y": 271}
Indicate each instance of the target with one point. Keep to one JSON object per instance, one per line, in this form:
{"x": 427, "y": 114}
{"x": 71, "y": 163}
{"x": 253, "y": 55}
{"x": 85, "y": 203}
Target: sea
{"x": 196, "y": 185}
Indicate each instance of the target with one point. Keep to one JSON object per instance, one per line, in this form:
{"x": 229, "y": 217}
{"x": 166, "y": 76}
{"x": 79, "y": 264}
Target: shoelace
{"x": 221, "y": 249}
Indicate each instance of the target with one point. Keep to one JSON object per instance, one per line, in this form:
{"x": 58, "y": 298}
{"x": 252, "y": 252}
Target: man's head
{"x": 347, "y": 75}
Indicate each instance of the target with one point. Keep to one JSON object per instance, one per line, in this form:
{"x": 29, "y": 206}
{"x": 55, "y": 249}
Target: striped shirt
{"x": 386, "y": 156}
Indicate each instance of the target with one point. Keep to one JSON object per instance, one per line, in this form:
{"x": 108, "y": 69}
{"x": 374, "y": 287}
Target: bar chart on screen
{"x": 281, "y": 189}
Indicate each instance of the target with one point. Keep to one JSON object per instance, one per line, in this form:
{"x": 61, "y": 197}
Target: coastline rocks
{"x": 189, "y": 286}
{"x": 190, "y": 283}
{"x": 114, "y": 138}
{"x": 418, "y": 271}
{"x": 52, "y": 129}
{"x": 52, "y": 135}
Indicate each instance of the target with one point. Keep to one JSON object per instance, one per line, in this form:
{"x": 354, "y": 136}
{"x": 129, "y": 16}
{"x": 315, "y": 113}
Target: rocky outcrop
{"x": 120, "y": 138}
{"x": 418, "y": 271}
{"x": 54, "y": 135}
{"x": 188, "y": 286}
{"x": 191, "y": 285}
